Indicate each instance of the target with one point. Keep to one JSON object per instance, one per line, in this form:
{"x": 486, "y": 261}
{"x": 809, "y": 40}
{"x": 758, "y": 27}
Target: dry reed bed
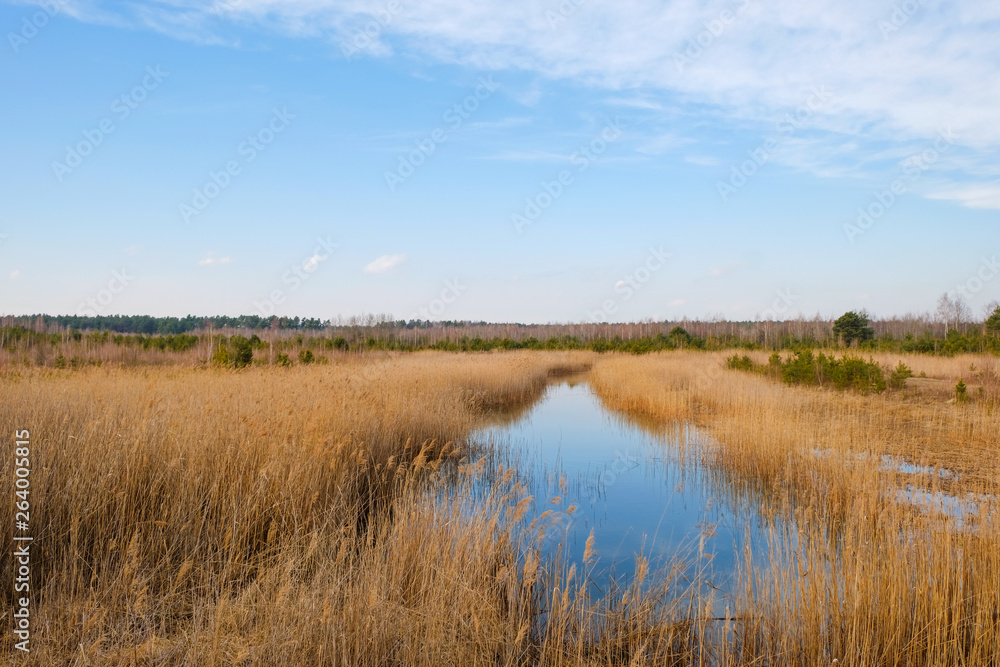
{"x": 294, "y": 516}
{"x": 206, "y": 517}
{"x": 297, "y": 516}
{"x": 87, "y": 353}
{"x": 864, "y": 578}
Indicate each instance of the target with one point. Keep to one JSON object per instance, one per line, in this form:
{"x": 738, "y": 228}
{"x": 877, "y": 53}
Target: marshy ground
{"x": 349, "y": 513}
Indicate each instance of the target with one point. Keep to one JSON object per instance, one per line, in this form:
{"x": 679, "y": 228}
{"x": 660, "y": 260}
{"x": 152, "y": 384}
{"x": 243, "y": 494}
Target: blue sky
{"x": 533, "y": 162}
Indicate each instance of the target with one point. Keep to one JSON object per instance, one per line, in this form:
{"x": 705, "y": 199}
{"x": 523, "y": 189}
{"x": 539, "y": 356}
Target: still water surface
{"x": 640, "y": 488}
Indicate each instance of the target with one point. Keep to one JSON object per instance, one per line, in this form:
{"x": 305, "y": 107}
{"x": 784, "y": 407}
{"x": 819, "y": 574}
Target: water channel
{"x": 639, "y": 487}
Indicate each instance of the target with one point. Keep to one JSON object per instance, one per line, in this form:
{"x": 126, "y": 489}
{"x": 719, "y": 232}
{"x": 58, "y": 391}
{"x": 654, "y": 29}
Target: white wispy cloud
{"x": 635, "y": 103}
{"x": 663, "y": 143}
{"x": 726, "y": 269}
{"x": 385, "y": 263}
{"x": 702, "y": 160}
{"x": 529, "y": 156}
{"x": 210, "y": 260}
{"x": 502, "y": 124}
{"x": 314, "y": 261}
{"x": 985, "y": 195}
{"x": 896, "y": 78}
{"x": 15, "y": 274}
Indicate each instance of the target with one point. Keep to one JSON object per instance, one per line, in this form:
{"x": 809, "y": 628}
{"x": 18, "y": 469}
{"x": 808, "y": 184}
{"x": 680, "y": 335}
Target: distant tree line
{"x": 923, "y": 334}
{"x": 146, "y": 324}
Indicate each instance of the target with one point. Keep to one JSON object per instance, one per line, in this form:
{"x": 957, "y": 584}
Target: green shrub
{"x": 306, "y": 357}
{"x": 338, "y": 343}
{"x": 805, "y": 368}
{"x": 242, "y": 351}
{"x": 743, "y": 363}
{"x": 802, "y": 369}
{"x": 898, "y": 378}
{"x": 283, "y": 360}
{"x": 774, "y": 364}
{"x": 234, "y": 352}
{"x": 856, "y": 373}
{"x": 221, "y": 355}
{"x": 961, "y": 392}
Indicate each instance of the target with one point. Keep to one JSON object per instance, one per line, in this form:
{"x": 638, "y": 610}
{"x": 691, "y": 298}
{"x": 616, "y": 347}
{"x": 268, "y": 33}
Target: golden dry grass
{"x": 210, "y": 517}
{"x": 866, "y": 577}
{"x": 335, "y": 515}
{"x": 310, "y": 516}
